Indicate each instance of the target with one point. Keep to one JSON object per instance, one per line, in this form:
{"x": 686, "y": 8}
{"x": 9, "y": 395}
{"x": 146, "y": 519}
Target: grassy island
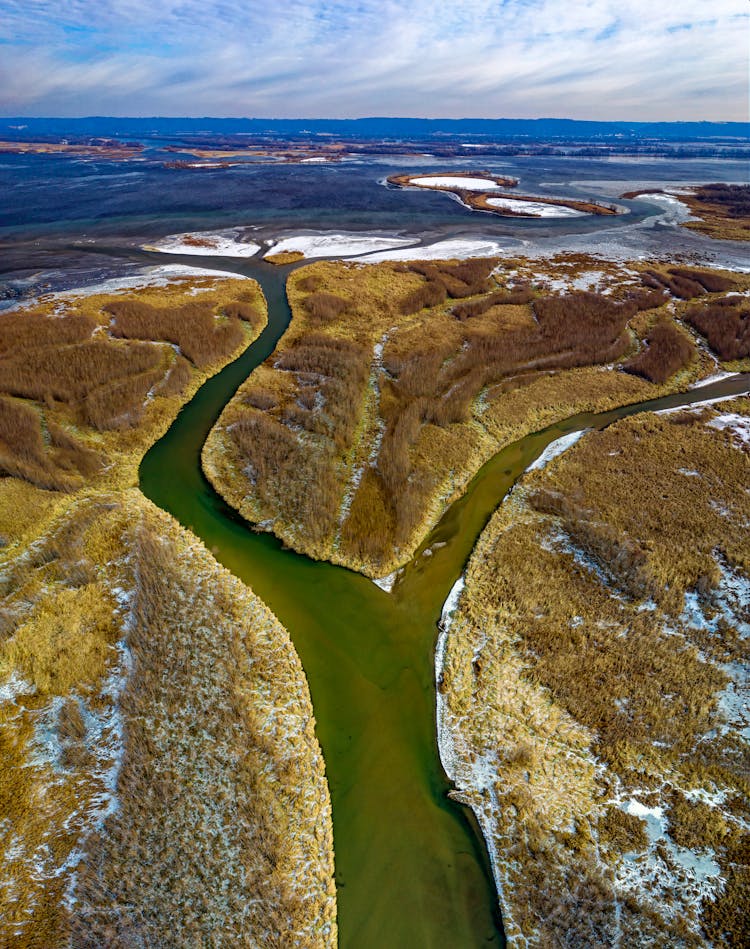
{"x": 396, "y": 382}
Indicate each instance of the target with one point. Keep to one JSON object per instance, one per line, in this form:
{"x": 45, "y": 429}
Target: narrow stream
{"x": 411, "y": 869}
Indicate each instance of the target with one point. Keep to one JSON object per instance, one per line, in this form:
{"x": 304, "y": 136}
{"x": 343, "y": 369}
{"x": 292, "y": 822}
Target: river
{"x": 411, "y": 868}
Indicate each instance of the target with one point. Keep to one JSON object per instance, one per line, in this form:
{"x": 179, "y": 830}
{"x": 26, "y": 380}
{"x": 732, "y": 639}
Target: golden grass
{"x": 285, "y": 257}
{"x": 569, "y": 648}
{"x": 396, "y": 382}
{"x": 90, "y": 382}
{"x": 222, "y": 829}
{"x": 111, "y": 615}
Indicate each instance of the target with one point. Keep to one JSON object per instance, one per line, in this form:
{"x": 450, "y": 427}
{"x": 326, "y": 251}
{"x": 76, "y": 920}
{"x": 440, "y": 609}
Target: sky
{"x": 585, "y": 59}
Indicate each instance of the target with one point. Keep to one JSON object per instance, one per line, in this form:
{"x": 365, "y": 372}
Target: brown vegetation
{"x": 193, "y": 327}
{"x": 667, "y": 351}
{"x": 347, "y": 452}
{"x": 558, "y": 651}
{"x": 73, "y": 369}
{"x": 324, "y": 307}
{"x": 285, "y": 257}
{"x": 60, "y": 465}
{"x": 176, "y": 854}
{"x": 723, "y": 209}
{"x": 726, "y": 326}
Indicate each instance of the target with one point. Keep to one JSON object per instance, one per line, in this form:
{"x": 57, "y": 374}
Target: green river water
{"x": 411, "y": 868}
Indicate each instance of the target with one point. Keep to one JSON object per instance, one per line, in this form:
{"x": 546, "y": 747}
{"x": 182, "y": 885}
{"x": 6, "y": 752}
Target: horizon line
{"x": 390, "y": 118}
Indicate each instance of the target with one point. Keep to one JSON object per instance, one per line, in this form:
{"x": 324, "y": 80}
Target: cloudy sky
{"x": 585, "y": 59}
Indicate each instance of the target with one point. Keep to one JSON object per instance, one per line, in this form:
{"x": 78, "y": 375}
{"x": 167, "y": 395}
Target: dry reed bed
{"x": 395, "y": 382}
{"x": 161, "y": 780}
{"x": 161, "y": 783}
{"x": 87, "y": 383}
{"x": 590, "y": 679}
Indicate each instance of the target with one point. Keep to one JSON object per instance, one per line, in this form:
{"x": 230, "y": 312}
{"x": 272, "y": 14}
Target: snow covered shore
{"x": 538, "y": 208}
{"x": 337, "y": 245}
{"x": 442, "y": 250}
{"x": 226, "y": 243}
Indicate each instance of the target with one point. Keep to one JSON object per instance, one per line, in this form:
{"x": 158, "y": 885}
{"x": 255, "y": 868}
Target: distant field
{"x": 116, "y": 151}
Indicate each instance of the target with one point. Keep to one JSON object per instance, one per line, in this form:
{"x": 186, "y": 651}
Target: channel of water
{"x": 411, "y": 869}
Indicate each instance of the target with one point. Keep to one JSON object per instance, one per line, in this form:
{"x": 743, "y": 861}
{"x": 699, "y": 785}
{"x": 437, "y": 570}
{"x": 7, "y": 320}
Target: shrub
{"x": 324, "y": 307}
{"x": 432, "y": 293}
{"x": 725, "y": 327}
{"x": 667, "y": 351}
{"x": 686, "y": 288}
{"x": 193, "y": 327}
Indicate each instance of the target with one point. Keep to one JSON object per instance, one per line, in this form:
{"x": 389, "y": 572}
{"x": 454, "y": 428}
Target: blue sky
{"x": 585, "y": 59}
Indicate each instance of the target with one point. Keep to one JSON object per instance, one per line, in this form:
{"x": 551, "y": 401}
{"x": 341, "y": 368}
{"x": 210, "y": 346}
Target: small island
{"x": 482, "y": 191}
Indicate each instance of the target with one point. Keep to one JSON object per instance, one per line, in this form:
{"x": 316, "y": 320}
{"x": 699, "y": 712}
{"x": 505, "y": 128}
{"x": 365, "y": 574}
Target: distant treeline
{"x": 382, "y": 128}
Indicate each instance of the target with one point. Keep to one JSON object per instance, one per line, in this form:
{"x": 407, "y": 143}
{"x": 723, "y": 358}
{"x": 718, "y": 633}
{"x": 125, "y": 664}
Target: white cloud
{"x": 592, "y": 59}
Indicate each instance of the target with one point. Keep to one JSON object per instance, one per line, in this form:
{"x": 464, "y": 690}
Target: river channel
{"x": 411, "y": 868}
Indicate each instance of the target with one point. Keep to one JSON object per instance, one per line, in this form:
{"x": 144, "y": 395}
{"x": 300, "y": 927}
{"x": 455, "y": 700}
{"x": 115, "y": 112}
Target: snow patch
{"x": 459, "y": 249}
{"x": 450, "y": 181}
{"x": 537, "y": 208}
{"x": 555, "y": 448}
{"x": 386, "y": 583}
{"x": 738, "y": 426}
{"x": 337, "y": 245}
{"x": 14, "y": 686}
{"x": 225, "y": 243}
{"x": 716, "y": 377}
{"x": 451, "y": 603}
{"x": 640, "y": 810}
{"x": 445, "y": 738}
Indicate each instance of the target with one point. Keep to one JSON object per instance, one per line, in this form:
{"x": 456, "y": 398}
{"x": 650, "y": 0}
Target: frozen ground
{"x": 555, "y": 448}
{"x": 538, "y": 208}
{"x": 337, "y": 245}
{"x": 212, "y": 244}
{"x": 148, "y": 277}
{"x": 442, "y": 250}
{"x": 449, "y": 181}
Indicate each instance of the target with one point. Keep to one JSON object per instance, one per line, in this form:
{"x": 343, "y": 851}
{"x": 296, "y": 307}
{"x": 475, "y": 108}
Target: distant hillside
{"x": 482, "y": 130}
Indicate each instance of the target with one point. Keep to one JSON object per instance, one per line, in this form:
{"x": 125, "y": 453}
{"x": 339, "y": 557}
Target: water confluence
{"x": 411, "y": 868}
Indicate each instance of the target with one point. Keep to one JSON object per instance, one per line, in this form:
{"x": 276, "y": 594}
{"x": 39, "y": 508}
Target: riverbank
{"x": 722, "y": 211}
{"x": 213, "y": 814}
{"x": 615, "y": 787}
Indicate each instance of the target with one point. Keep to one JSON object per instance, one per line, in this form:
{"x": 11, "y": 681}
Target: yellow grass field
{"x": 159, "y": 770}
{"x": 396, "y": 382}
{"x": 593, "y": 687}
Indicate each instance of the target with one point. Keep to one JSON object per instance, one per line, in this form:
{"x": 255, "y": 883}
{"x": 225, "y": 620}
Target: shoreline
{"x": 475, "y": 197}
{"x": 474, "y": 786}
